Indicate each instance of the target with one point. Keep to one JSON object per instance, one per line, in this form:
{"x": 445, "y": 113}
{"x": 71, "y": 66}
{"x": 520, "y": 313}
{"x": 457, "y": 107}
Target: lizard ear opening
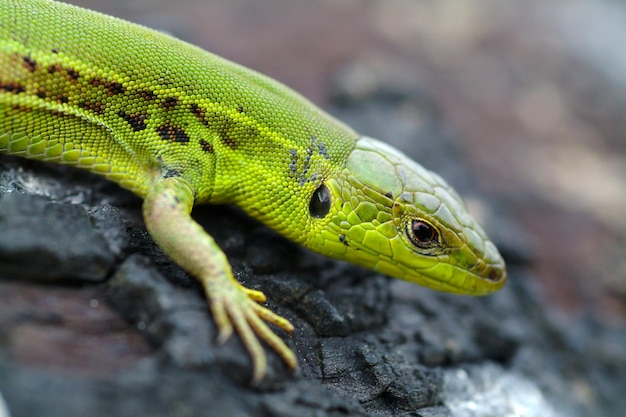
{"x": 320, "y": 202}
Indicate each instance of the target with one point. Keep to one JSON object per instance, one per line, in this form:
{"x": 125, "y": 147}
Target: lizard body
{"x": 180, "y": 126}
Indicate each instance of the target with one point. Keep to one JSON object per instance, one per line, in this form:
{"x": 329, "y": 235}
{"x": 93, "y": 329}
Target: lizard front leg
{"x": 166, "y": 209}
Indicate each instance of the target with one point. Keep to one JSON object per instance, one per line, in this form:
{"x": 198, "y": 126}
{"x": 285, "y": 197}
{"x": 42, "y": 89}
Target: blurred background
{"x": 529, "y": 98}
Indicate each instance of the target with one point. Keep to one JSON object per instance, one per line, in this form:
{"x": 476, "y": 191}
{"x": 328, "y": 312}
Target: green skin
{"x": 179, "y": 126}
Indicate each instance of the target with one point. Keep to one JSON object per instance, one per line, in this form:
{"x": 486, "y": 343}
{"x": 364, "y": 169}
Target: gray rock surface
{"x": 62, "y": 243}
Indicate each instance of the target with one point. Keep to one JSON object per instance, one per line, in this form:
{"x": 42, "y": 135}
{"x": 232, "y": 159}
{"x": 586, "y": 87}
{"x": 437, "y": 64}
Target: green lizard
{"x": 179, "y": 126}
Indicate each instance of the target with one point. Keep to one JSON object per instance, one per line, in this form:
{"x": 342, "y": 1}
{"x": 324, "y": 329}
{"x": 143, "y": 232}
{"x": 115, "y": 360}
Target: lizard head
{"x": 385, "y": 212}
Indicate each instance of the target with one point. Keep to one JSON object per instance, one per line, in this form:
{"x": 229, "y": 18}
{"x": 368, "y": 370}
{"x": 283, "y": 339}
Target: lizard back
{"x": 133, "y": 104}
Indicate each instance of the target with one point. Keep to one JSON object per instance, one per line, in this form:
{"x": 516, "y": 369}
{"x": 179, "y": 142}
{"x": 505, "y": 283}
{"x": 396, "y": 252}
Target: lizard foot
{"x": 236, "y": 307}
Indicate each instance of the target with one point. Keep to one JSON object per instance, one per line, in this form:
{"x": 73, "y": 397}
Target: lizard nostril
{"x": 495, "y": 274}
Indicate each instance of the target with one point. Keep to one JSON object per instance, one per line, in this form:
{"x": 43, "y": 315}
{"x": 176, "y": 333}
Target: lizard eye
{"x": 422, "y": 233}
{"x": 320, "y": 202}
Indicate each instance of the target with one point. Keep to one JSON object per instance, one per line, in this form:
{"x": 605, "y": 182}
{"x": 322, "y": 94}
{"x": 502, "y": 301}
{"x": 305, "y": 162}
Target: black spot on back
{"x": 114, "y": 88}
{"x": 30, "y": 63}
{"x": 199, "y": 113}
{"x": 95, "y": 107}
{"x": 228, "y": 141}
{"x": 147, "y": 95}
{"x": 172, "y": 133}
{"x": 169, "y": 103}
{"x": 72, "y": 74}
{"x": 206, "y": 146}
{"x": 135, "y": 120}
{"x": 54, "y": 68}
{"x": 14, "y": 88}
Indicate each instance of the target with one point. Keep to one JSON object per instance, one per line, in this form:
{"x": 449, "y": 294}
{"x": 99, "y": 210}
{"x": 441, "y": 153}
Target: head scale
{"x": 388, "y": 213}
